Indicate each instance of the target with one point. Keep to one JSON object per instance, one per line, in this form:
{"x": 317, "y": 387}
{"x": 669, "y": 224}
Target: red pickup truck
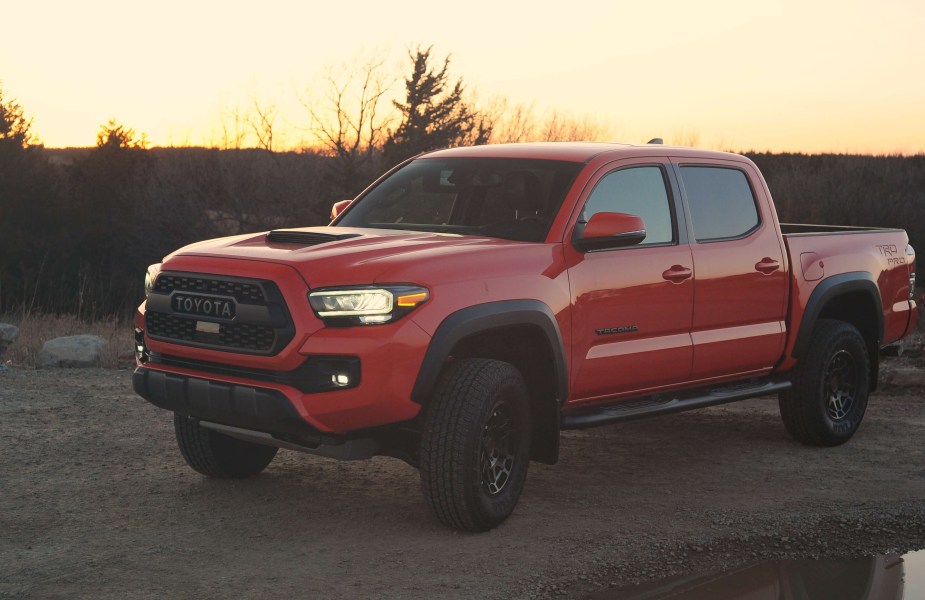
{"x": 473, "y": 302}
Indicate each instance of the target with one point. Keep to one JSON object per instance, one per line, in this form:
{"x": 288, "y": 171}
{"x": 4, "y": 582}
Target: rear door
{"x": 740, "y": 287}
{"x": 631, "y": 306}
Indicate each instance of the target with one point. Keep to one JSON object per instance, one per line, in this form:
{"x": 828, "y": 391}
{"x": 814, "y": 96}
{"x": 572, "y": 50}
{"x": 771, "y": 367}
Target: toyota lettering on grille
{"x": 203, "y": 306}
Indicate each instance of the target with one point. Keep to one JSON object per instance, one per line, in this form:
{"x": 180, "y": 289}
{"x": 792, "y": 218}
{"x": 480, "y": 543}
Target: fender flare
{"x": 486, "y": 317}
{"x": 830, "y": 288}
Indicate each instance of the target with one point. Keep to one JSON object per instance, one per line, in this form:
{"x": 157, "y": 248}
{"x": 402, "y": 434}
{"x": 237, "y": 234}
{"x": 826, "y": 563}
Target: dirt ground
{"x": 96, "y": 502}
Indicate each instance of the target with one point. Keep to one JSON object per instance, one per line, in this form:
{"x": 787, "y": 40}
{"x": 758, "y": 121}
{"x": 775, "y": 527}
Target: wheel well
{"x": 857, "y": 309}
{"x": 527, "y": 348}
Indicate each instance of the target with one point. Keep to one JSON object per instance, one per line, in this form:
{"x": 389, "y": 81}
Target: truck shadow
{"x": 706, "y": 459}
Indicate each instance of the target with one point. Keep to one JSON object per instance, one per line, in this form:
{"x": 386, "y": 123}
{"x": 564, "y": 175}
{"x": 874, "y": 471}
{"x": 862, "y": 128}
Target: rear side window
{"x": 721, "y": 202}
{"x": 636, "y": 191}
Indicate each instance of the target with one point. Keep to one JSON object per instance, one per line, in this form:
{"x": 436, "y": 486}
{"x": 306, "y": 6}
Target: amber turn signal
{"x": 412, "y": 300}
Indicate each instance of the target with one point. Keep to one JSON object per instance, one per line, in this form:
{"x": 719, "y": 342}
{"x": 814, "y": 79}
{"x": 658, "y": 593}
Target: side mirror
{"x": 339, "y": 208}
{"x": 609, "y": 230}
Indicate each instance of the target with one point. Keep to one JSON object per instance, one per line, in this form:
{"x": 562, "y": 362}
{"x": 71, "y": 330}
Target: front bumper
{"x": 232, "y": 404}
{"x": 252, "y": 414}
{"x": 388, "y": 360}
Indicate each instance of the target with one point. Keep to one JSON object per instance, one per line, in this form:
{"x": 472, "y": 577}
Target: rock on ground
{"x": 75, "y": 351}
{"x": 8, "y": 333}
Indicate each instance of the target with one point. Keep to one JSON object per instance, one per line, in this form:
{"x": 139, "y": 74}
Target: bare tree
{"x": 512, "y": 123}
{"x": 686, "y": 137}
{"x": 261, "y": 122}
{"x": 234, "y": 129}
{"x": 349, "y": 122}
{"x": 565, "y": 128}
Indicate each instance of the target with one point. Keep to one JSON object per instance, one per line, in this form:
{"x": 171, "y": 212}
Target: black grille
{"x": 261, "y": 324}
{"x": 246, "y": 293}
{"x": 305, "y": 238}
{"x": 169, "y": 326}
{"x": 241, "y": 336}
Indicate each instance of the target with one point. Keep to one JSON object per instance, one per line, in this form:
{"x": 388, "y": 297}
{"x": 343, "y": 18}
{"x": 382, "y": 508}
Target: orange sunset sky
{"x": 810, "y": 76}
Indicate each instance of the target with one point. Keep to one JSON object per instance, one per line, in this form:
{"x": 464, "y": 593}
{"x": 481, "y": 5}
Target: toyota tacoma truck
{"x": 473, "y": 302}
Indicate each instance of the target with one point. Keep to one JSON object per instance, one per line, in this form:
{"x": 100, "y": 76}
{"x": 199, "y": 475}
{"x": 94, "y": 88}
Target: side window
{"x": 721, "y": 202}
{"x": 637, "y": 191}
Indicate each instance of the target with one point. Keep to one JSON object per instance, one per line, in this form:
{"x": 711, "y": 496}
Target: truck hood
{"x": 359, "y": 255}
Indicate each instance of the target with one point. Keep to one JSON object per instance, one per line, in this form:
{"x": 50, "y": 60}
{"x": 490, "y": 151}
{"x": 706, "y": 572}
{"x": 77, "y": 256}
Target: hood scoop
{"x": 305, "y": 238}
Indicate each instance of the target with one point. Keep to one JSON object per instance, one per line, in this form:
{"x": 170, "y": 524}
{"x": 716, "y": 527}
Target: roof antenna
{"x": 656, "y": 141}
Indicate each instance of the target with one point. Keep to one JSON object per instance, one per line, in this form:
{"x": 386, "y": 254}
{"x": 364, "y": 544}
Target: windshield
{"x": 513, "y": 199}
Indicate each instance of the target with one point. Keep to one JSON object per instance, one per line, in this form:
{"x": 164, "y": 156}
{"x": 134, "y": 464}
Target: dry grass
{"x": 36, "y": 329}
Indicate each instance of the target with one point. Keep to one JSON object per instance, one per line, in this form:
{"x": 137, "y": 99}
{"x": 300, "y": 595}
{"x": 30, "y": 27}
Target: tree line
{"x": 79, "y": 226}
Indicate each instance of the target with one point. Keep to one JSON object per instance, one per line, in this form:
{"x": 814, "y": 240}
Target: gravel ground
{"x": 96, "y": 502}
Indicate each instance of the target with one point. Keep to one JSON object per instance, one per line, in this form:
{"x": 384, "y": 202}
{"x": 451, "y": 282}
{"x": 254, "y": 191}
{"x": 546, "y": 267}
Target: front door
{"x": 631, "y": 306}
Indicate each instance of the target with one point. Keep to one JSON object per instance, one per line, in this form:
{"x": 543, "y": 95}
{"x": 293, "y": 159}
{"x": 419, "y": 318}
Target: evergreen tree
{"x": 434, "y": 113}
{"x": 113, "y": 136}
{"x": 14, "y": 126}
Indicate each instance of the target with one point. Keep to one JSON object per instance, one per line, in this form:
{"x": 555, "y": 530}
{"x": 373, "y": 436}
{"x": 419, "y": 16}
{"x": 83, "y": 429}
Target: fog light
{"x": 374, "y": 319}
{"x": 141, "y": 350}
{"x": 340, "y": 379}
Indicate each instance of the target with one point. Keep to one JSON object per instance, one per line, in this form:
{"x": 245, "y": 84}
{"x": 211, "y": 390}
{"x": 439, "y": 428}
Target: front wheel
{"x": 831, "y": 383}
{"x": 217, "y": 455}
{"x": 476, "y": 444}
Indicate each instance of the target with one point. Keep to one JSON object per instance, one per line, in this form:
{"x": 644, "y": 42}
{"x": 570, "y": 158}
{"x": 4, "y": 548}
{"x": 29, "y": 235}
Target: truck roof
{"x": 575, "y": 151}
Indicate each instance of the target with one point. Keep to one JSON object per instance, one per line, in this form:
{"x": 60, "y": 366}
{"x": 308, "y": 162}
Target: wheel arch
{"x": 850, "y": 297}
{"x": 523, "y": 333}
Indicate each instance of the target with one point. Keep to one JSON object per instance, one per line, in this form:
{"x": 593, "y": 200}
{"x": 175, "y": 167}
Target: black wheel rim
{"x": 840, "y": 384}
{"x": 497, "y": 448}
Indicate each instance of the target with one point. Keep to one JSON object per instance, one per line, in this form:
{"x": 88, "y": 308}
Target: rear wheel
{"x": 476, "y": 444}
{"x": 217, "y": 455}
{"x": 830, "y": 387}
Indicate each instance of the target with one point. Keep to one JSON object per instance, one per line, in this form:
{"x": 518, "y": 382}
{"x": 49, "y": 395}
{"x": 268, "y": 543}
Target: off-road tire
{"x": 217, "y": 455}
{"x": 831, "y": 383}
{"x": 474, "y": 403}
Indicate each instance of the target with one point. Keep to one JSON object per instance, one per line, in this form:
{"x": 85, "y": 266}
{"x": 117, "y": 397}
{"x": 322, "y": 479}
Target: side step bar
{"x": 652, "y": 406}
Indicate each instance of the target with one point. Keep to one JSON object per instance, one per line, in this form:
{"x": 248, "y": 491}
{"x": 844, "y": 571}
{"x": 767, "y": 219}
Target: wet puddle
{"x": 885, "y": 577}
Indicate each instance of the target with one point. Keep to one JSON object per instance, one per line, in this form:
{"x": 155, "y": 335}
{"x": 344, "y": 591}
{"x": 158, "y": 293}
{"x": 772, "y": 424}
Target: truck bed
{"x": 819, "y": 252}
{"x": 791, "y": 229}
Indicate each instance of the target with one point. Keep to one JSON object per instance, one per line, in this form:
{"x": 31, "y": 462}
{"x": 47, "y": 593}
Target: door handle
{"x": 767, "y": 265}
{"x": 677, "y": 274}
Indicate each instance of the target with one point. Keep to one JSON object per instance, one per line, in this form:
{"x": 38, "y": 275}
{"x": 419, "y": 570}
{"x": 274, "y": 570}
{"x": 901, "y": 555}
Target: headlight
{"x": 342, "y": 303}
{"x": 150, "y": 276}
{"x": 366, "y": 306}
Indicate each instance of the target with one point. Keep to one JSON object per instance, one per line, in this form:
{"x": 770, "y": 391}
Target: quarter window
{"x": 637, "y": 191}
{"x": 721, "y": 202}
